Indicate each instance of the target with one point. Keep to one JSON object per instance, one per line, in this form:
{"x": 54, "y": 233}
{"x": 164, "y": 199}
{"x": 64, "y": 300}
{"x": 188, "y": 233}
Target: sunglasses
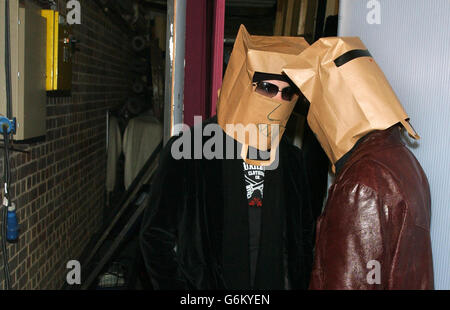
{"x": 271, "y": 90}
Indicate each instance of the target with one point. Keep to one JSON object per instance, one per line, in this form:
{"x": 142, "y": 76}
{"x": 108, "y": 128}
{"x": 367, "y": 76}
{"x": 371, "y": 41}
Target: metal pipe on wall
{"x": 175, "y": 51}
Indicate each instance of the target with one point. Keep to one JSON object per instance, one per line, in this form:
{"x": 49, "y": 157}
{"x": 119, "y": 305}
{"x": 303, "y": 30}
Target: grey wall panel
{"x": 412, "y": 46}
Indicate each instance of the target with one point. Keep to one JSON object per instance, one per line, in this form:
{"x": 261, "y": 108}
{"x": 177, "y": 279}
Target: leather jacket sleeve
{"x": 353, "y": 235}
{"x": 158, "y": 236}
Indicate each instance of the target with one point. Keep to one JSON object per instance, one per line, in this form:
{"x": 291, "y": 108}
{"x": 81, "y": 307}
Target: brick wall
{"x": 59, "y": 186}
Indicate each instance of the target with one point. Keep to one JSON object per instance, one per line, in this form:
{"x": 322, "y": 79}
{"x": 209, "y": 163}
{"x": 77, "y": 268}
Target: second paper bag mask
{"x": 348, "y": 93}
{"x": 239, "y": 104}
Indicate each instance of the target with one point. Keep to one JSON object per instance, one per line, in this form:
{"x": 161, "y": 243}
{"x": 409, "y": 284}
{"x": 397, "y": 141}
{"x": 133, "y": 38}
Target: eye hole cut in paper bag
{"x": 349, "y": 94}
{"x": 238, "y": 102}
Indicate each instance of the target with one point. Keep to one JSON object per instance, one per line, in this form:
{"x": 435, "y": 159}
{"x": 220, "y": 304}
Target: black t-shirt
{"x": 254, "y": 185}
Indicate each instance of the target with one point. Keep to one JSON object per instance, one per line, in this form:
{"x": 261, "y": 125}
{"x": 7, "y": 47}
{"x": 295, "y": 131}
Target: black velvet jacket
{"x": 182, "y": 230}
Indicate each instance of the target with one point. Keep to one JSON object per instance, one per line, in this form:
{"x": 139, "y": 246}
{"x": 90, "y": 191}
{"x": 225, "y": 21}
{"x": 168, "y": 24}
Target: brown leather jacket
{"x": 378, "y": 209}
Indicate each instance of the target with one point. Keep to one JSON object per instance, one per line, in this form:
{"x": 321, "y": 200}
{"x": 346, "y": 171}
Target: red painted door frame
{"x": 217, "y": 55}
{"x": 203, "y": 57}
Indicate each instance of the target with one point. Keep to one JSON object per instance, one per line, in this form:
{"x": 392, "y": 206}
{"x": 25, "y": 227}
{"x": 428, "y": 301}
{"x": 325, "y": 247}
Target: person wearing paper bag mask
{"x": 374, "y": 232}
{"x": 236, "y": 224}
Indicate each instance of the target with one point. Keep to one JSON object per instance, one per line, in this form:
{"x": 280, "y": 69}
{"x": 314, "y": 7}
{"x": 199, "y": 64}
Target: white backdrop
{"x": 410, "y": 40}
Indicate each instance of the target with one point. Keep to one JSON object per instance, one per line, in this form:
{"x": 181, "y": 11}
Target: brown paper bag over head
{"x": 238, "y": 102}
{"x": 349, "y": 94}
